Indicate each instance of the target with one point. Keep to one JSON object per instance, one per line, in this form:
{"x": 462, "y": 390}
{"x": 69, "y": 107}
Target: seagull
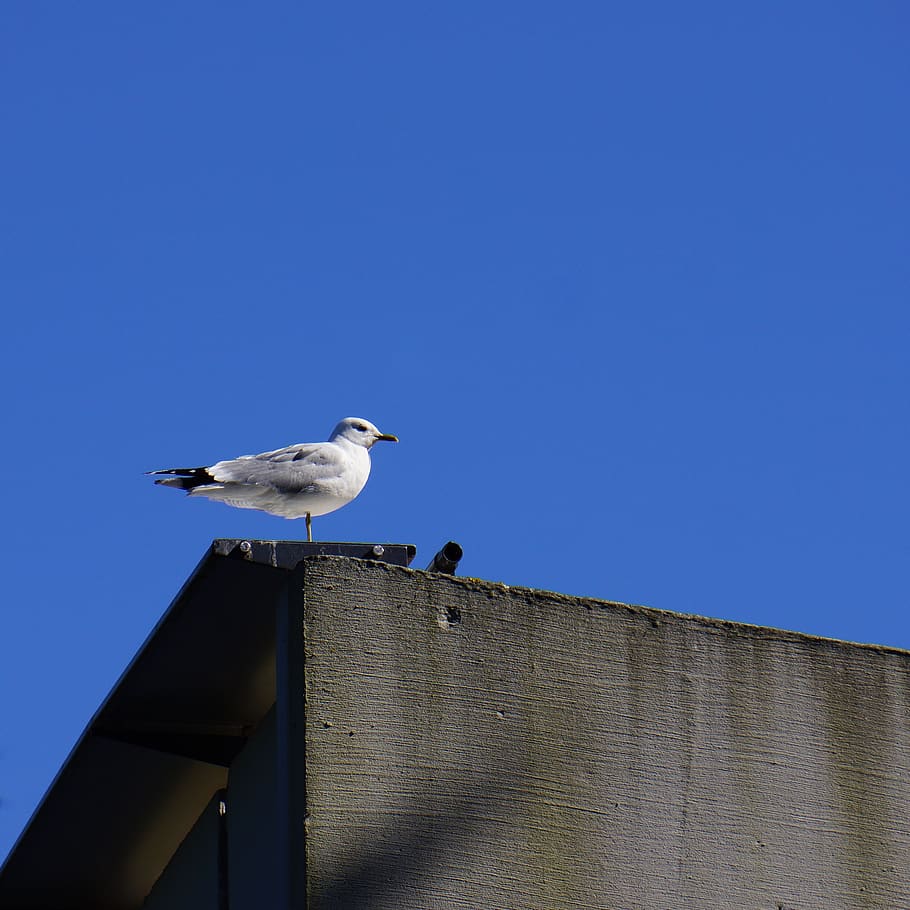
{"x": 312, "y": 478}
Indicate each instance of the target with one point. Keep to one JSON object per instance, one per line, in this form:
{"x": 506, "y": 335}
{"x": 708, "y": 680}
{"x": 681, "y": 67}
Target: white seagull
{"x": 313, "y": 478}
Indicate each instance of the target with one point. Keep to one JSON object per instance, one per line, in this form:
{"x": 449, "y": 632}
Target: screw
{"x": 246, "y": 547}
{"x": 378, "y": 550}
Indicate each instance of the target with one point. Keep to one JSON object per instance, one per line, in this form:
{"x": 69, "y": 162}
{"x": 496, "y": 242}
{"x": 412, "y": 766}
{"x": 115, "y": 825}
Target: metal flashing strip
{"x": 287, "y": 554}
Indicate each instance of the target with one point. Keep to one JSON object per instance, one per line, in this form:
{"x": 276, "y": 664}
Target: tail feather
{"x": 185, "y": 478}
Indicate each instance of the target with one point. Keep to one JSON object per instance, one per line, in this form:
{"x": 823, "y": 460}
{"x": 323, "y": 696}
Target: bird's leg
{"x": 309, "y": 528}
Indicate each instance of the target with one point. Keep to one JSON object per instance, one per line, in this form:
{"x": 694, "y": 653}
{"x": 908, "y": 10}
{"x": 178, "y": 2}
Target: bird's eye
{"x": 360, "y": 426}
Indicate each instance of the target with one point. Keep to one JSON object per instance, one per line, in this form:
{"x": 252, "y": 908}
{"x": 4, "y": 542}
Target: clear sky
{"x": 629, "y": 280}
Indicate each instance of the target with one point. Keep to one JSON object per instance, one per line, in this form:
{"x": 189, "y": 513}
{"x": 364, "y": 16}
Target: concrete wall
{"x": 252, "y": 822}
{"x": 470, "y": 745}
{"x": 243, "y": 859}
{"x": 190, "y": 879}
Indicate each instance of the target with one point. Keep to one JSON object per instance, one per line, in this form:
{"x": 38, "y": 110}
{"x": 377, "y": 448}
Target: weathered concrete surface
{"x": 470, "y": 745}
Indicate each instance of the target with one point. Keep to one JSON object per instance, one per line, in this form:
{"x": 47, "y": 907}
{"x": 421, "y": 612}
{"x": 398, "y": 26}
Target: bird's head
{"x": 359, "y": 431}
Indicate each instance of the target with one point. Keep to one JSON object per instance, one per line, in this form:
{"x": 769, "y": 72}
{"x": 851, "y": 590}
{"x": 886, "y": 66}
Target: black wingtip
{"x": 181, "y": 472}
{"x": 184, "y": 478}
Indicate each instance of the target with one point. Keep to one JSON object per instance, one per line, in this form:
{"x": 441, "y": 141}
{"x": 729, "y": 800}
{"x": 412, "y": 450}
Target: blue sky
{"x": 630, "y": 281}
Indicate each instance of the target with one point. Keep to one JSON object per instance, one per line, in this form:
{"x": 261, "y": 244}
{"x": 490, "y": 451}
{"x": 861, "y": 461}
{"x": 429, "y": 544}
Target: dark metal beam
{"x": 287, "y": 554}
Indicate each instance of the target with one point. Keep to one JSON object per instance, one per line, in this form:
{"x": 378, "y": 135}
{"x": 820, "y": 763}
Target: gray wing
{"x": 300, "y": 452}
{"x": 293, "y": 468}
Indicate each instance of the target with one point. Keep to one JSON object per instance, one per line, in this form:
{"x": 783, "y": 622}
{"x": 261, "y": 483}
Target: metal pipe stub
{"x": 447, "y": 559}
